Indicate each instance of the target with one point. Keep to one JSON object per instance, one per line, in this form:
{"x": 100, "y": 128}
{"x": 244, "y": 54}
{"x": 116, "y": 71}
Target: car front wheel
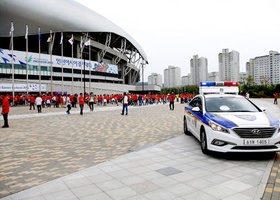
{"x": 203, "y": 142}
{"x": 186, "y": 127}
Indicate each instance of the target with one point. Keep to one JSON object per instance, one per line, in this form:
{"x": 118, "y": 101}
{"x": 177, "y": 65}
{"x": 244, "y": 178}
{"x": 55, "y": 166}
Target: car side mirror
{"x": 196, "y": 109}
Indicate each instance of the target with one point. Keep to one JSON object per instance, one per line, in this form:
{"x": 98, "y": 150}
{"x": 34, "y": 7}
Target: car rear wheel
{"x": 203, "y": 142}
{"x": 186, "y": 127}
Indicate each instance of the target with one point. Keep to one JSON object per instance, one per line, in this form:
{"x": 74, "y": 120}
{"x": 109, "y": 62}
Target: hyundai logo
{"x": 256, "y": 131}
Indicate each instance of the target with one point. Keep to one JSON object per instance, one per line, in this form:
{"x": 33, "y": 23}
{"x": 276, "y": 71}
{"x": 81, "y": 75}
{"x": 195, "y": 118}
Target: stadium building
{"x": 63, "y": 46}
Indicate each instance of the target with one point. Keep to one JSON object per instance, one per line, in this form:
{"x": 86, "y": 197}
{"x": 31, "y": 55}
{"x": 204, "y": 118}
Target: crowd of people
{"x": 62, "y": 100}
{"x": 72, "y": 100}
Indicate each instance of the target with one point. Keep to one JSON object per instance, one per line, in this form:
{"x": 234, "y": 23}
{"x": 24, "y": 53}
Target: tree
{"x": 250, "y": 81}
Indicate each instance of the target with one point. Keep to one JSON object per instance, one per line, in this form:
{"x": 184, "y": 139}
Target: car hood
{"x": 241, "y": 119}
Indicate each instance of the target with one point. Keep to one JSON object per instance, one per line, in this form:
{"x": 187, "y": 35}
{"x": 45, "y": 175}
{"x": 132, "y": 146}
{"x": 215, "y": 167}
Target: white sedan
{"x": 231, "y": 123}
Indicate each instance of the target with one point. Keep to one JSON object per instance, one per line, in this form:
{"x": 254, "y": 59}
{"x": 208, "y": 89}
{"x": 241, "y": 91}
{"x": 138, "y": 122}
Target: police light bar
{"x": 218, "y": 83}
{"x": 220, "y": 87}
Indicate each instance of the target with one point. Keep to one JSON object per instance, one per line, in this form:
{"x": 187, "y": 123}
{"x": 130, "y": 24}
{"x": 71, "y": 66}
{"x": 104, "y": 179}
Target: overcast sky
{"x": 172, "y": 32}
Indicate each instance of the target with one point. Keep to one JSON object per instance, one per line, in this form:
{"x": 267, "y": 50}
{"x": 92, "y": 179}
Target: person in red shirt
{"x": 48, "y": 101}
{"x": 72, "y": 100}
{"x": 275, "y": 97}
{"x": 99, "y": 99}
{"x": 32, "y": 102}
{"x": 16, "y": 100}
{"x": 81, "y": 103}
{"x": 5, "y": 111}
{"x": 171, "y": 101}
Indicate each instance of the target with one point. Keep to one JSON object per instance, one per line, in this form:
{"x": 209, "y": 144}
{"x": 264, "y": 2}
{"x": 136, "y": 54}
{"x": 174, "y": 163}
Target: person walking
{"x": 171, "y": 101}
{"x": 125, "y": 104}
{"x": 75, "y": 99}
{"x": 81, "y": 103}
{"x": 38, "y": 102}
{"x": 91, "y": 101}
{"x": 32, "y": 102}
{"x": 275, "y": 97}
{"x": 5, "y": 110}
{"x": 247, "y": 95}
{"x": 68, "y": 103}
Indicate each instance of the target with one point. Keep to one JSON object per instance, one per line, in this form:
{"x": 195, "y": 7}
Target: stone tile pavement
{"x": 103, "y": 155}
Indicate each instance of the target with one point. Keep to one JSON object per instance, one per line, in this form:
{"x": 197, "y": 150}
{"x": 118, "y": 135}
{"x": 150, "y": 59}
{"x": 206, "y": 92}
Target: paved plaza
{"x": 104, "y": 155}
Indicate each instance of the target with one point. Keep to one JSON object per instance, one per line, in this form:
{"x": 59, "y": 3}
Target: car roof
{"x": 222, "y": 95}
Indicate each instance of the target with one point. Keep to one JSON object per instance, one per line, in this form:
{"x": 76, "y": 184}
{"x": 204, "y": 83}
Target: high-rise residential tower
{"x": 172, "y": 77}
{"x": 250, "y": 68}
{"x": 155, "y": 79}
{"x": 199, "y": 69}
{"x": 229, "y": 65}
{"x": 266, "y": 69}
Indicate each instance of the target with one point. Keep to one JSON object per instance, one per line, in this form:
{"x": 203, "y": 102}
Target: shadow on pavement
{"x": 245, "y": 156}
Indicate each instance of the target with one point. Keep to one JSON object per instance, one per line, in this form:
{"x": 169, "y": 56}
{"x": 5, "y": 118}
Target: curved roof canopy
{"x": 58, "y": 16}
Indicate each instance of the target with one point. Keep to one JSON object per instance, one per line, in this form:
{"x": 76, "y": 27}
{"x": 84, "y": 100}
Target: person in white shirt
{"x": 247, "y": 95}
{"x": 38, "y": 102}
{"x": 125, "y": 104}
{"x": 68, "y": 104}
{"x": 91, "y": 101}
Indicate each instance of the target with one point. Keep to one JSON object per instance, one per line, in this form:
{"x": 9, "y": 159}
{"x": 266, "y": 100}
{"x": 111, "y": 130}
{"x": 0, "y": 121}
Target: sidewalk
{"x": 170, "y": 168}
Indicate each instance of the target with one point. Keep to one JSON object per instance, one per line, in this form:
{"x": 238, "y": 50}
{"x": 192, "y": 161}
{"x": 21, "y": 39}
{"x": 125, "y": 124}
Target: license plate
{"x": 256, "y": 142}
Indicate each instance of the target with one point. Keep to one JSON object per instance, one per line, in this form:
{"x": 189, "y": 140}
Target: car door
{"x": 194, "y": 115}
{"x": 198, "y": 116}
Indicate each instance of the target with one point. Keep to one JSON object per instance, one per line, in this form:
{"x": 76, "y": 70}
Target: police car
{"x": 224, "y": 121}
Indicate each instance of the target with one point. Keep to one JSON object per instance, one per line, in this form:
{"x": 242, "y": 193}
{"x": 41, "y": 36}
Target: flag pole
{"x": 89, "y": 52}
{"x": 72, "y": 65}
{"x": 26, "y": 40}
{"x": 39, "y": 31}
{"x": 13, "y": 74}
{"x": 51, "y": 40}
{"x": 61, "y": 42}
{"x": 82, "y": 48}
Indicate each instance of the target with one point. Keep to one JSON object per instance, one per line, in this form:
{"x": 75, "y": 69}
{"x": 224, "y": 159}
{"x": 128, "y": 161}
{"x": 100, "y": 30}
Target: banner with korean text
{"x": 33, "y": 59}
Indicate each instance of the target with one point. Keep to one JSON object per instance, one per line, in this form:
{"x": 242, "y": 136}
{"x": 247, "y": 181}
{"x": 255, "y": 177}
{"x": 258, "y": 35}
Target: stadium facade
{"x": 63, "y": 46}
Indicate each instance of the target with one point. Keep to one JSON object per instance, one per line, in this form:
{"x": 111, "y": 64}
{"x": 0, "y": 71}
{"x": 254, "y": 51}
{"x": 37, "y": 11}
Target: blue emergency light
{"x": 207, "y": 83}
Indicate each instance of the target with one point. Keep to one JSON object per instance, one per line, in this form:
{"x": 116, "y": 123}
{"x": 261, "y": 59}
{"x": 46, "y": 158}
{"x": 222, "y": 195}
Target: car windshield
{"x": 229, "y": 104}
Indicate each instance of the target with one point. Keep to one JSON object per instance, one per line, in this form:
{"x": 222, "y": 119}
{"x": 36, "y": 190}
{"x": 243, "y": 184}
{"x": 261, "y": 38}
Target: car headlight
{"x": 217, "y": 127}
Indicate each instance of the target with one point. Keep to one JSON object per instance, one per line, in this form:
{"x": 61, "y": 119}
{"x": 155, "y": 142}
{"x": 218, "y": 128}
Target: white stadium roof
{"x": 58, "y": 16}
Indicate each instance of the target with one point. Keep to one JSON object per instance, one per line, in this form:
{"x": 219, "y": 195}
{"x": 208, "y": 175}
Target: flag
{"x": 11, "y": 31}
{"x": 87, "y": 43}
{"x": 71, "y": 40}
{"x": 39, "y": 34}
{"x": 26, "y": 32}
{"x": 61, "y": 38}
{"x": 81, "y": 43}
{"x": 50, "y": 37}
{"x": 12, "y": 28}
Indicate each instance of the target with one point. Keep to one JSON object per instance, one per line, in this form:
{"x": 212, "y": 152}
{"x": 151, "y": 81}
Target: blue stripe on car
{"x": 220, "y": 120}
{"x": 272, "y": 120}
